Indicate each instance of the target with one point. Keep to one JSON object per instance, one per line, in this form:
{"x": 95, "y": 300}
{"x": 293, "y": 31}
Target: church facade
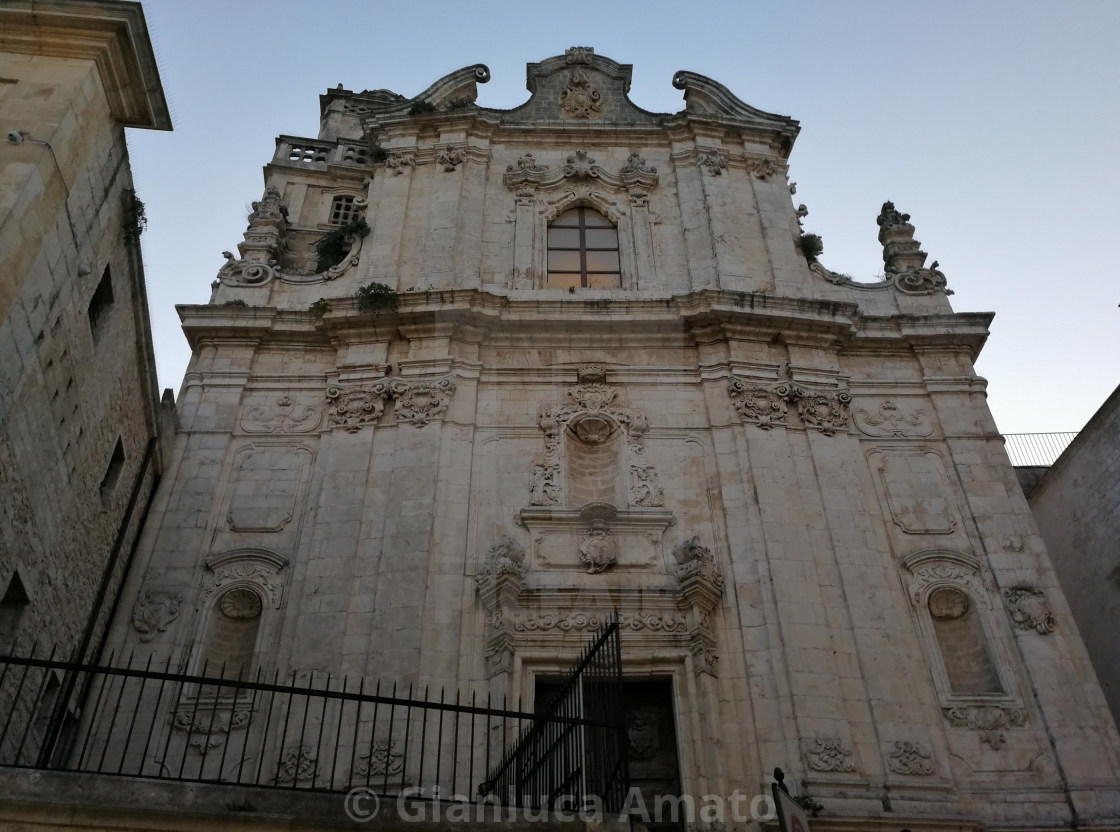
{"x": 479, "y": 378}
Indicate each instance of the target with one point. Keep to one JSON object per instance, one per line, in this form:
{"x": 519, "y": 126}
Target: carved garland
{"x": 525, "y": 176}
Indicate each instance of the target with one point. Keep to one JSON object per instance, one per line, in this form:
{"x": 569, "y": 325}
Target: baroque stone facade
{"x": 602, "y": 375}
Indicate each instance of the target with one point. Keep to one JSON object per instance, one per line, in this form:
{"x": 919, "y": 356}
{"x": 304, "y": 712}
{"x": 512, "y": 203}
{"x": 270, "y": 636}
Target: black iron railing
{"x": 322, "y": 734}
{"x": 577, "y": 746}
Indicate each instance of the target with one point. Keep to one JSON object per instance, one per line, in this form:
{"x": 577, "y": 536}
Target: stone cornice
{"x": 703, "y": 315}
{"x": 112, "y": 34}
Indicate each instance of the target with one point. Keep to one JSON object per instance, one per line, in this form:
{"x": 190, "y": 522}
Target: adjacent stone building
{"x": 480, "y": 378}
{"x": 1076, "y": 504}
{"x": 79, "y": 404}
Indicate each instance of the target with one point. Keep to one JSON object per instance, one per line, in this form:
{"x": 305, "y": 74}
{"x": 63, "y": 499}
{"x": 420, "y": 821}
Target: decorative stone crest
{"x": 382, "y": 759}
{"x": 714, "y": 162}
{"x": 642, "y": 735}
{"x": 891, "y": 421}
{"x": 826, "y": 412}
{"x": 505, "y": 556}
{"x": 281, "y": 416}
{"x": 768, "y": 406}
{"x": 701, "y": 587}
{"x": 419, "y": 402}
{"x": 910, "y": 759}
{"x": 581, "y": 101}
{"x": 829, "y": 754}
{"x": 763, "y": 169}
{"x": 1029, "y": 609}
{"x": 645, "y": 489}
{"x": 355, "y": 406}
{"x": 155, "y": 610}
{"x": 449, "y": 158}
{"x": 989, "y": 720}
{"x": 397, "y": 162}
{"x": 696, "y": 560}
{"x": 207, "y": 727}
{"x": 297, "y": 764}
{"x": 598, "y": 549}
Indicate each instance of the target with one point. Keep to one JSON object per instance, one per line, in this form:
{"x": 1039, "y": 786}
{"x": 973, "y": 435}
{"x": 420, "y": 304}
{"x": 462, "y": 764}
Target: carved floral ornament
{"x": 989, "y": 721}
{"x": 893, "y": 421}
{"x": 280, "y": 415}
{"x": 580, "y": 101}
{"x": 767, "y": 406}
{"x": 591, "y": 405}
{"x": 829, "y": 754}
{"x": 909, "y": 758}
{"x": 354, "y": 406}
{"x": 207, "y": 727}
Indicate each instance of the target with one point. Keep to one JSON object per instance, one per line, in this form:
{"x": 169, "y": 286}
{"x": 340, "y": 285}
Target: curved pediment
{"x": 705, "y": 97}
{"x": 579, "y": 87}
{"x": 448, "y": 93}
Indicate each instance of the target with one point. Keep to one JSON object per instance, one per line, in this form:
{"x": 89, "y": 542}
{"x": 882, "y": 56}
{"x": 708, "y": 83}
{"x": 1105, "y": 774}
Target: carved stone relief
{"x": 763, "y": 169}
{"x": 767, "y": 406}
{"x": 397, "y": 162}
{"x": 382, "y": 759}
{"x": 922, "y": 578}
{"x": 634, "y": 177}
{"x": 599, "y": 549}
{"x": 297, "y": 764}
{"x": 207, "y": 727}
{"x": 592, "y": 414}
{"x": 1029, "y": 609}
{"x": 892, "y": 421}
{"x": 702, "y": 586}
{"x": 155, "y": 610}
{"x": 355, "y": 406}
{"x": 657, "y": 622}
{"x": 909, "y": 758}
{"x": 990, "y": 721}
{"x": 449, "y": 158}
{"x": 714, "y": 162}
{"x": 245, "y": 567}
{"x": 580, "y": 101}
{"x": 278, "y": 416}
{"x": 903, "y": 258}
{"x": 829, "y": 754}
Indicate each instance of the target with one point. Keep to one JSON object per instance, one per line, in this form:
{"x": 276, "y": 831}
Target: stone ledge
{"x": 52, "y": 800}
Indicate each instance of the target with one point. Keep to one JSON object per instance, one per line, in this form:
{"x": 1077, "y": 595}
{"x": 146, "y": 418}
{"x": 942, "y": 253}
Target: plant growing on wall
{"x": 235, "y": 302}
{"x": 376, "y": 297}
{"x": 332, "y": 246}
{"x": 459, "y": 103}
{"x": 319, "y": 308}
{"x": 810, "y": 246}
{"x": 135, "y": 219}
{"x": 418, "y": 108}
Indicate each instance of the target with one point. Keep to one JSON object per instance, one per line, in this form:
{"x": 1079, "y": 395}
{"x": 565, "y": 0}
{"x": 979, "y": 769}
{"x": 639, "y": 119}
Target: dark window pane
{"x": 569, "y": 217}
{"x": 601, "y": 238}
{"x": 593, "y": 217}
{"x": 563, "y": 238}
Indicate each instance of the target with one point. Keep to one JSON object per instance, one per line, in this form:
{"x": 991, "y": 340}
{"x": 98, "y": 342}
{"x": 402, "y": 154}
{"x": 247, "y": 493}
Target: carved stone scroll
{"x": 829, "y": 754}
{"x": 155, "y": 610}
{"x": 909, "y": 758}
{"x": 1029, "y": 610}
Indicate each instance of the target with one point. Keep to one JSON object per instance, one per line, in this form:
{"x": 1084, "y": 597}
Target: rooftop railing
{"x": 1037, "y": 449}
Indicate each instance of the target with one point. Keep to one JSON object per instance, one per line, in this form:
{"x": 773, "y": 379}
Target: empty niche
{"x": 233, "y": 625}
{"x": 594, "y": 445}
{"x": 961, "y": 641}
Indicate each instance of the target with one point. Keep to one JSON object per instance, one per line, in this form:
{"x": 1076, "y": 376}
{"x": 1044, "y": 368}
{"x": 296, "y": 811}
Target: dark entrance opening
{"x": 651, "y": 745}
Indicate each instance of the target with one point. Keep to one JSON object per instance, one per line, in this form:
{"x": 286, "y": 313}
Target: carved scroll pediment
{"x": 635, "y": 176}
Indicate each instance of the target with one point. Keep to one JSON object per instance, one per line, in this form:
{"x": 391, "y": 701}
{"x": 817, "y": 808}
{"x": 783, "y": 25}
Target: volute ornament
{"x": 581, "y": 101}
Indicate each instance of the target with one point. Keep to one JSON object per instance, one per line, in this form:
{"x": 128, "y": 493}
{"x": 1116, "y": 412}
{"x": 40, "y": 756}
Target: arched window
{"x": 583, "y": 251}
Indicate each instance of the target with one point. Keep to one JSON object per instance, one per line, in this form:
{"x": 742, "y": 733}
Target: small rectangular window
{"x": 100, "y": 304}
{"x": 342, "y": 210}
{"x": 113, "y": 471}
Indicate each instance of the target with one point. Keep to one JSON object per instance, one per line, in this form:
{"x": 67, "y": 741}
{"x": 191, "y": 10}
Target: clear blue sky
{"x": 995, "y": 124}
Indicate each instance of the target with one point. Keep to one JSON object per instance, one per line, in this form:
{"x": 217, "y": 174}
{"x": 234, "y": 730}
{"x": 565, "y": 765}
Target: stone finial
{"x": 901, "y": 252}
